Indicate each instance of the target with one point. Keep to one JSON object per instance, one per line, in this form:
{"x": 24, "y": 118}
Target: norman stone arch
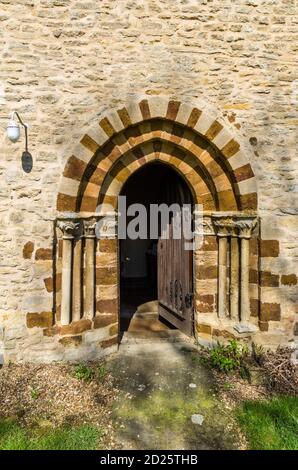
{"x": 201, "y": 149}
{"x": 156, "y": 128}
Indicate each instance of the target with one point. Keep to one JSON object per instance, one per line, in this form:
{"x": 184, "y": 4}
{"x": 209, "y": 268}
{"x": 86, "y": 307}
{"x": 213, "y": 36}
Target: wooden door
{"x": 175, "y": 281}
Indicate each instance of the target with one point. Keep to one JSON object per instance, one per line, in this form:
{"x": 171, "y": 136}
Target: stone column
{"x": 222, "y": 227}
{"x": 69, "y": 229}
{"x": 77, "y": 281}
{"x": 89, "y": 234}
{"x": 222, "y": 276}
{"x": 246, "y": 226}
{"x": 234, "y": 279}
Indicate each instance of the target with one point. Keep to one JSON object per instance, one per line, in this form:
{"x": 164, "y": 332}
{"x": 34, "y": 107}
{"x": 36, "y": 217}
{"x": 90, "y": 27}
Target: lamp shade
{"x": 13, "y": 131}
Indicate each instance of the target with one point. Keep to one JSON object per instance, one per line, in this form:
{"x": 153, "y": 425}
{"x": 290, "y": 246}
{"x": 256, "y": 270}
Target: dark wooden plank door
{"x": 175, "y": 281}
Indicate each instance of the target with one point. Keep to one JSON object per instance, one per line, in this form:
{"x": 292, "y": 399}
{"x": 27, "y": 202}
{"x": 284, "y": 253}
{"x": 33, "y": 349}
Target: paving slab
{"x": 168, "y": 400}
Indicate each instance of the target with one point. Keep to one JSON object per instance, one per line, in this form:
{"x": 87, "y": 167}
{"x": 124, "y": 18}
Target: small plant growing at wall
{"x": 258, "y": 354}
{"x": 229, "y": 358}
{"x": 34, "y": 394}
{"x": 83, "y": 372}
{"x": 101, "y": 372}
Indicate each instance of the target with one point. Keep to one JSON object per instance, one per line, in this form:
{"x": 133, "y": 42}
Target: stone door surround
{"x": 79, "y": 254}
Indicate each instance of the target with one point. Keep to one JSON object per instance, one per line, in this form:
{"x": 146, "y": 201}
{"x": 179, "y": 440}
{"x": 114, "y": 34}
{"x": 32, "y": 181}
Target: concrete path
{"x": 168, "y": 400}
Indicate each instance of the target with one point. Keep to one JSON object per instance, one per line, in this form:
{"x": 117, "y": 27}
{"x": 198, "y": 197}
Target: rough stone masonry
{"x": 192, "y": 74}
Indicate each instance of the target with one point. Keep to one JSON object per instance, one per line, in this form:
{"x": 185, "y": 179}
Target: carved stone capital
{"x": 202, "y": 224}
{"x": 107, "y": 227}
{"x": 246, "y": 225}
{"x": 224, "y": 226}
{"x": 89, "y": 228}
{"x": 233, "y": 225}
{"x": 69, "y": 228}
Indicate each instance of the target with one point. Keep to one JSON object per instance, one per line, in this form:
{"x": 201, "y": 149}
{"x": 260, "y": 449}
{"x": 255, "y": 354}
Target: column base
{"x": 245, "y": 328}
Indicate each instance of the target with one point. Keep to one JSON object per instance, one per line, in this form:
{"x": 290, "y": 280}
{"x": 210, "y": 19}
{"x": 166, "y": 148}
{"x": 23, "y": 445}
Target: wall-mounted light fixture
{"x": 13, "y": 133}
{"x": 13, "y": 128}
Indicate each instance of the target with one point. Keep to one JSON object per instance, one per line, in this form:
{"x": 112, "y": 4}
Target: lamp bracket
{"x": 15, "y": 113}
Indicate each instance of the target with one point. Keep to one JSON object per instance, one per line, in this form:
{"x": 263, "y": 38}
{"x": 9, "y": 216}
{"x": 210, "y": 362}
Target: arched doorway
{"x": 156, "y": 275}
{"x": 215, "y": 166}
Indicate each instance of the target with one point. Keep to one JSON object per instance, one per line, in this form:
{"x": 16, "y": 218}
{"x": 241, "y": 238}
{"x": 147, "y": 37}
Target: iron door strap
{"x": 171, "y": 292}
{"x": 181, "y": 297}
{"x": 176, "y": 294}
{"x": 189, "y": 300}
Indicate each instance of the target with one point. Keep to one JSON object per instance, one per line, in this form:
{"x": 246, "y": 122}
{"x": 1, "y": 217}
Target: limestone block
{"x": 204, "y": 122}
{"x": 107, "y": 292}
{"x": 222, "y": 139}
{"x": 99, "y": 334}
{"x": 115, "y": 121}
{"x": 248, "y": 186}
{"x": 82, "y": 152}
{"x": 69, "y": 186}
{"x": 98, "y": 135}
{"x": 158, "y": 106}
{"x": 16, "y": 333}
{"x": 37, "y": 303}
{"x": 134, "y": 112}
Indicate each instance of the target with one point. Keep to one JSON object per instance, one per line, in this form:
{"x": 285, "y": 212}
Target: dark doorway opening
{"x": 156, "y": 183}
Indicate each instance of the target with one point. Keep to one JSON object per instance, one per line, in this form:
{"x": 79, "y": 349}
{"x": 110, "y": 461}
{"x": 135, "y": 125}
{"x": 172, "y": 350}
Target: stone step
{"x": 146, "y": 315}
{"x": 151, "y": 306}
{"x": 172, "y": 336}
{"x": 147, "y": 324}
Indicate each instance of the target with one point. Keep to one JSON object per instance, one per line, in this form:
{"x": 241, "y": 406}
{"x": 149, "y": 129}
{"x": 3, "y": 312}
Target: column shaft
{"x": 245, "y": 307}
{"x": 89, "y": 278}
{"x": 66, "y": 281}
{"x": 234, "y": 281}
{"x": 77, "y": 281}
{"x": 222, "y": 276}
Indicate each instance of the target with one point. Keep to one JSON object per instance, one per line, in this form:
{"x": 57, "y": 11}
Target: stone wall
{"x": 65, "y": 62}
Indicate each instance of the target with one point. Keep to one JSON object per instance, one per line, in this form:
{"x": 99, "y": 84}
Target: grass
{"x": 272, "y": 424}
{"x": 15, "y": 437}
